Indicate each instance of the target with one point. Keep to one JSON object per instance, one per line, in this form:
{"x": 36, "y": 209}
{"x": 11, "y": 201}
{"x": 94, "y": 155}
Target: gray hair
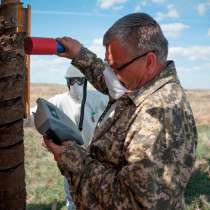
{"x": 139, "y": 33}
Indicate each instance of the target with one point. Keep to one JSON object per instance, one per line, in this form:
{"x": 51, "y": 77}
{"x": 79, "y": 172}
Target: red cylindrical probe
{"x": 41, "y": 46}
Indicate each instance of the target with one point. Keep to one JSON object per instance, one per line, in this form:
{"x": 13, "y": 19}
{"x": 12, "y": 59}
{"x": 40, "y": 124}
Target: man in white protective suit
{"x": 83, "y": 107}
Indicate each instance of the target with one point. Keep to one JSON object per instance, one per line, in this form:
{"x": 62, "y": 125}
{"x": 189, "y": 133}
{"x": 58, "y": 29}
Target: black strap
{"x": 106, "y": 110}
{"x": 83, "y": 105}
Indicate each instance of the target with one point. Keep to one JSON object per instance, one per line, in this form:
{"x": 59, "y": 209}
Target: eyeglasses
{"x": 131, "y": 61}
{"x": 72, "y": 80}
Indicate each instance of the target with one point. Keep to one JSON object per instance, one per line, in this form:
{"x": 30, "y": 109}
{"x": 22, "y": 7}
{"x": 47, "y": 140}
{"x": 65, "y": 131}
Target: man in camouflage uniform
{"x": 143, "y": 150}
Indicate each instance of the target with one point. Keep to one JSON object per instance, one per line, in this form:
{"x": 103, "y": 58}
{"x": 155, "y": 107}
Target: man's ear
{"x": 151, "y": 62}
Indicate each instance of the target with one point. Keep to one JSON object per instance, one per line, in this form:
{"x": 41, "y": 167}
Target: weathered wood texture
{"x": 12, "y": 68}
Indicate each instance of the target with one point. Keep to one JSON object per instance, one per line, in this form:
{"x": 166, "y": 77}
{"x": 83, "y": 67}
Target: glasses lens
{"x": 71, "y": 81}
{"x": 78, "y": 80}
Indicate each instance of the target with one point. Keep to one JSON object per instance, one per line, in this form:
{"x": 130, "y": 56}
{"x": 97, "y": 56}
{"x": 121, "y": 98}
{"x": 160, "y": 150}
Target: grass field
{"x": 45, "y": 184}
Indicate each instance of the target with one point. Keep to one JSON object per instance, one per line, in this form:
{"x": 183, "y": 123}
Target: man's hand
{"x": 54, "y": 148}
{"x": 72, "y": 47}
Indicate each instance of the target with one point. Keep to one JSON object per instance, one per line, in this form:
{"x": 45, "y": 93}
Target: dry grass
{"x": 45, "y": 91}
{"x": 199, "y": 99}
{"x": 200, "y": 103}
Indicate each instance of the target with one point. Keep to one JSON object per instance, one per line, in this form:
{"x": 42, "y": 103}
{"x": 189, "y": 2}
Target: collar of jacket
{"x": 167, "y": 75}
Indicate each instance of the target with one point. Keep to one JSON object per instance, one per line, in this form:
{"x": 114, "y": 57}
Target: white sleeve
{"x": 29, "y": 122}
{"x": 55, "y": 100}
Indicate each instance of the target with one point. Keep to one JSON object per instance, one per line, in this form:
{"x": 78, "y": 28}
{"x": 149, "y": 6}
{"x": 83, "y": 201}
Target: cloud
{"x": 117, "y": 8}
{"x": 52, "y": 69}
{"x": 106, "y": 4}
{"x": 194, "y": 77}
{"x": 138, "y": 8}
{"x": 171, "y": 13}
{"x": 48, "y": 69}
{"x": 97, "y": 47}
{"x": 53, "y": 12}
{"x": 173, "y": 29}
{"x": 209, "y": 32}
{"x": 199, "y": 68}
{"x": 157, "y": 1}
{"x": 202, "y": 8}
{"x": 141, "y": 4}
{"x": 192, "y": 53}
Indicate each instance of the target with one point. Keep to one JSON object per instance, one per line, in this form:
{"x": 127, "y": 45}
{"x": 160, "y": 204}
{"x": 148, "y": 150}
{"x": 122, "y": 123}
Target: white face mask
{"x": 116, "y": 89}
{"x": 76, "y": 92}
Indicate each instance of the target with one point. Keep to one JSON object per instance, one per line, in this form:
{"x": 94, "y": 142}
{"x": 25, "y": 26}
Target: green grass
{"x": 198, "y": 191}
{"x": 197, "y": 194}
{"x": 45, "y": 183}
{"x": 203, "y": 147}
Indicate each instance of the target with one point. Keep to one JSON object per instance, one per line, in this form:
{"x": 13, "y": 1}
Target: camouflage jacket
{"x": 142, "y": 155}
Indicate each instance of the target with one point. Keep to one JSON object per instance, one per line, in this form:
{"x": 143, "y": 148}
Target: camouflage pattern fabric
{"x": 142, "y": 155}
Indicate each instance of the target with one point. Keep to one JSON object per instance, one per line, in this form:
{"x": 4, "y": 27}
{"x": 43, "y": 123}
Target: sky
{"x": 185, "y": 23}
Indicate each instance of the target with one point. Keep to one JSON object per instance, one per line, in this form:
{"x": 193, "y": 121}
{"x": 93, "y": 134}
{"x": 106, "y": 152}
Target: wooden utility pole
{"x": 14, "y": 102}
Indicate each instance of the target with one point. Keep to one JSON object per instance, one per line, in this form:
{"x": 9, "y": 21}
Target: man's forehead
{"x": 113, "y": 45}
{"x": 115, "y": 51}
{"x": 114, "y": 48}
